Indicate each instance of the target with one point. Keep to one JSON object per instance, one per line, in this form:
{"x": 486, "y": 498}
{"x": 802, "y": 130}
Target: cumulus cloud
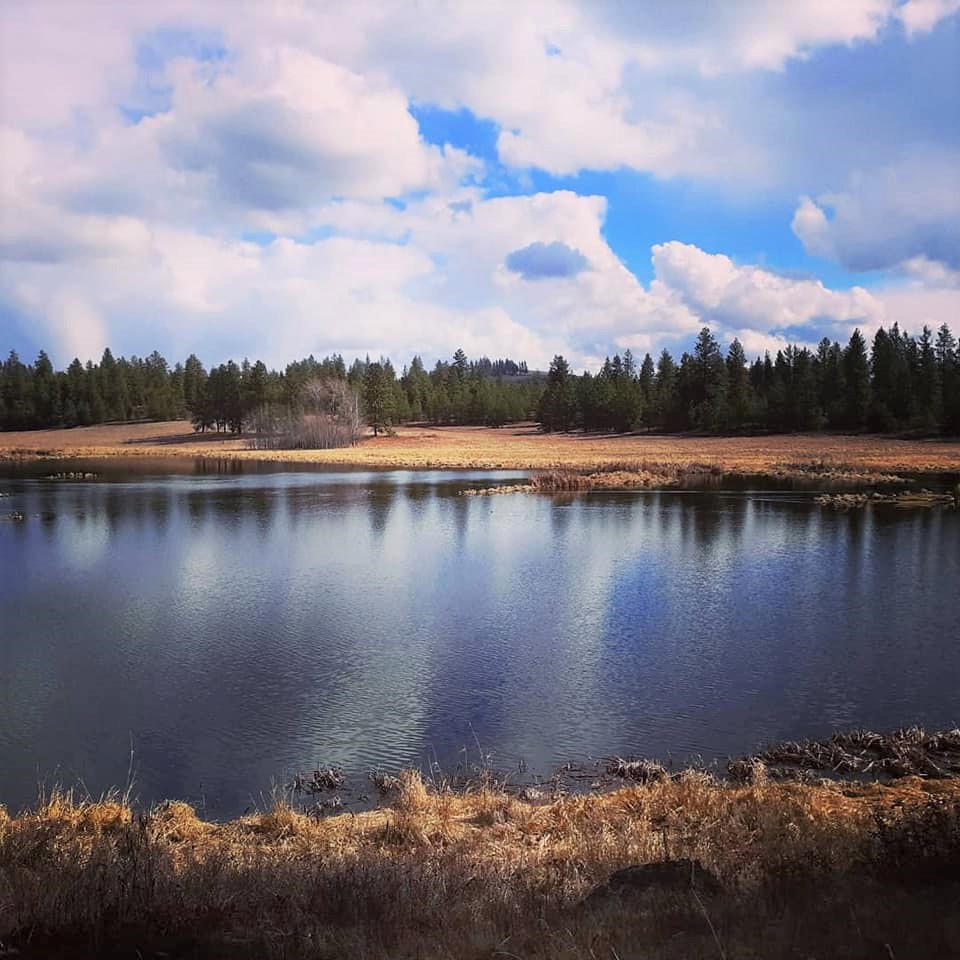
{"x": 540, "y": 261}
{"x": 750, "y": 34}
{"x": 139, "y": 165}
{"x": 921, "y": 16}
{"x": 291, "y": 130}
{"x": 737, "y": 297}
{"x": 766, "y": 310}
{"x": 890, "y": 216}
{"x": 931, "y": 272}
{"x": 448, "y": 284}
{"x": 624, "y": 76}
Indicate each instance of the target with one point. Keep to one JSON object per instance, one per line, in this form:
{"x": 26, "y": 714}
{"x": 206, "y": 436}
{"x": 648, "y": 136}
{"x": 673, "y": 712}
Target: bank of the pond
{"x": 647, "y": 475}
{"x": 777, "y": 870}
{"x": 520, "y": 447}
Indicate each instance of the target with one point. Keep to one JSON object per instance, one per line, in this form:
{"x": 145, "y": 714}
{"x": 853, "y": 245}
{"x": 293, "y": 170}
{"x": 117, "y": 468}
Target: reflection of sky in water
{"x": 234, "y": 627}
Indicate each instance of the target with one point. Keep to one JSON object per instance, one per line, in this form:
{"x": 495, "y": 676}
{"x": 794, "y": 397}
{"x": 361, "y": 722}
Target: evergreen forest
{"x": 896, "y": 383}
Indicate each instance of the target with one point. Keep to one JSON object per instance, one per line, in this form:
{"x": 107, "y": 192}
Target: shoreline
{"x": 440, "y": 873}
{"x": 855, "y": 459}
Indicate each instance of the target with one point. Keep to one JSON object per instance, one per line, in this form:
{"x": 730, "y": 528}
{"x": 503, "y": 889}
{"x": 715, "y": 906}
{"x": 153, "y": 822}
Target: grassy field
{"x": 513, "y": 447}
{"x": 801, "y": 871}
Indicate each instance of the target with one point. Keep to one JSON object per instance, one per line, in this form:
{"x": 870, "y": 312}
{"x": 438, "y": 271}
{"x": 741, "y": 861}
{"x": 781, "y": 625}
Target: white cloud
{"x": 811, "y": 225}
{"x": 749, "y": 34}
{"x": 921, "y": 16}
{"x": 284, "y": 129}
{"x": 906, "y": 212}
{"x": 330, "y": 84}
{"x": 737, "y": 297}
{"x": 931, "y": 272}
{"x": 134, "y": 232}
{"x": 914, "y": 305}
{"x": 447, "y": 285}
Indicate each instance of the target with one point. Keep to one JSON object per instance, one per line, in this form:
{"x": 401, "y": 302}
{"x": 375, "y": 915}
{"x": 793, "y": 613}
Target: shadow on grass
{"x": 192, "y": 439}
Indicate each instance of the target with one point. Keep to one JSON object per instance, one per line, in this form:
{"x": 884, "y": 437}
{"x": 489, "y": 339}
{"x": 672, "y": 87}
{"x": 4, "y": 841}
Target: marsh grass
{"x": 835, "y": 471}
{"x": 904, "y": 752}
{"x": 622, "y": 474}
{"x": 519, "y": 447}
{"x": 805, "y": 870}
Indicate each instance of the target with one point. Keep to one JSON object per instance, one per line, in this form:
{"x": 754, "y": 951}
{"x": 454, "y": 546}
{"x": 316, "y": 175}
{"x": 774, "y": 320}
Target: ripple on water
{"x": 237, "y": 628}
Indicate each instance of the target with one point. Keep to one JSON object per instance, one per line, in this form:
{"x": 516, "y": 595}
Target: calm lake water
{"x": 233, "y": 627}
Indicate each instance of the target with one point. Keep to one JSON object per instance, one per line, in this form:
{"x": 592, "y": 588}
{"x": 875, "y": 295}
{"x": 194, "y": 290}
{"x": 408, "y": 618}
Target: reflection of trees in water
{"x": 197, "y": 507}
{"x": 138, "y": 508}
{"x": 228, "y": 506}
{"x": 379, "y": 506}
{"x": 227, "y": 466}
{"x": 114, "y": 504}
{"x": 711, "y": 524}
{"x": 461, "y": 514}
{"x": 159, "y": 507}
{"x": 856, "y": 526}
{"x": 261, "y": 503}
{"x": 620, "y": 600}
{"x": 303, "y": 501}
{"x": 419, "y": 492}
{"x": 562, "y": 511}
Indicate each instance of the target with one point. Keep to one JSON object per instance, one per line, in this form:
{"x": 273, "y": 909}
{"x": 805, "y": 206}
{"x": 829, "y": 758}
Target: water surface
{"x": 233, "y": 626}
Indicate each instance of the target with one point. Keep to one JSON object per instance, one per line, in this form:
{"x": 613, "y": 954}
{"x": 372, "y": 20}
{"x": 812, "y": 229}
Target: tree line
{"x": 234, "y": 396}
{"x": 899, "y": 383}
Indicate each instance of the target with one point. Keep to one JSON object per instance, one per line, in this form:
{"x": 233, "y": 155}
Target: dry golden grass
{"x": 512, "y": 447}
{"x": 828, "y": 870}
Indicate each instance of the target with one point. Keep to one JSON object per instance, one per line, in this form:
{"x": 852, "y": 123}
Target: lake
{"x": 230, "y": 625}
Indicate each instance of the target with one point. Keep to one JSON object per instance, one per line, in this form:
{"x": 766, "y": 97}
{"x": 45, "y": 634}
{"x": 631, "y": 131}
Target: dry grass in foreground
{"x": 830, "y": 870}
{"x": 512, "y": 447}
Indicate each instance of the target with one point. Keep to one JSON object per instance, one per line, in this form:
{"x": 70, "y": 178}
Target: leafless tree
{"x": 326, "y": 415}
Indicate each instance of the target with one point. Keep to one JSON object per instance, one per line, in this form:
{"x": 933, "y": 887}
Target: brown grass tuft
{"x": 804, "y": 870}
{"x": 60, "y": 808}
{"x": 412, "y": 794}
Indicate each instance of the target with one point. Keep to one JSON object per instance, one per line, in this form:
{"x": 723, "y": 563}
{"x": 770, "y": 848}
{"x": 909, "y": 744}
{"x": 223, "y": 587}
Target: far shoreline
{"x": 518, "y": 447}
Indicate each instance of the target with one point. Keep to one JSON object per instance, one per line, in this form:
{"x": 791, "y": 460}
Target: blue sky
{"x": 244, "y": 179}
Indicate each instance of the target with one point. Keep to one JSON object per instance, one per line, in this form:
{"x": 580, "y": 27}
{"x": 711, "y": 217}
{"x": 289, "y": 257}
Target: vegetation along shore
{"x": 674, "y": 865}
{"x": 867, "y": 459}
{"x": 900, "y": 383}
{"x": 606, "y": 430}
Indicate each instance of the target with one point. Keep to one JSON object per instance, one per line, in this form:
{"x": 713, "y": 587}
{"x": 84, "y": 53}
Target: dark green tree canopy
{"x": 898, "y": 383}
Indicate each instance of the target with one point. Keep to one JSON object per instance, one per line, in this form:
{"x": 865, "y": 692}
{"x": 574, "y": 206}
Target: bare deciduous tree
{"x": 326, "y": 415}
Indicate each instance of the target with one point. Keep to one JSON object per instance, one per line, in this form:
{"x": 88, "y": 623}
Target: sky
{"x": 394, "y": 177}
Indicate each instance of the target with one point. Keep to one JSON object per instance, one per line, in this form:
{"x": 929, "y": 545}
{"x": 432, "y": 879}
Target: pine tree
{"x": 882, "y": 364}
{"x": 46, "y": 393}
{"x": 668, "y": 414}
{"x": 830, "y": 381}
{"x": 738, "y": 386}
{"x": 460, "y": 364}
{"x": 708, "y": 383}
{"x": 928, "y": 396}
{"x": 648, "y": 385}
{"x": 948, "y": 364}
{"x": 95, "y": 406}
{"x": 194, "y": 378}
{"x": 558, "y": 406}
{"x": 856, "y": 375}
{"x": 377, "y": 398}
